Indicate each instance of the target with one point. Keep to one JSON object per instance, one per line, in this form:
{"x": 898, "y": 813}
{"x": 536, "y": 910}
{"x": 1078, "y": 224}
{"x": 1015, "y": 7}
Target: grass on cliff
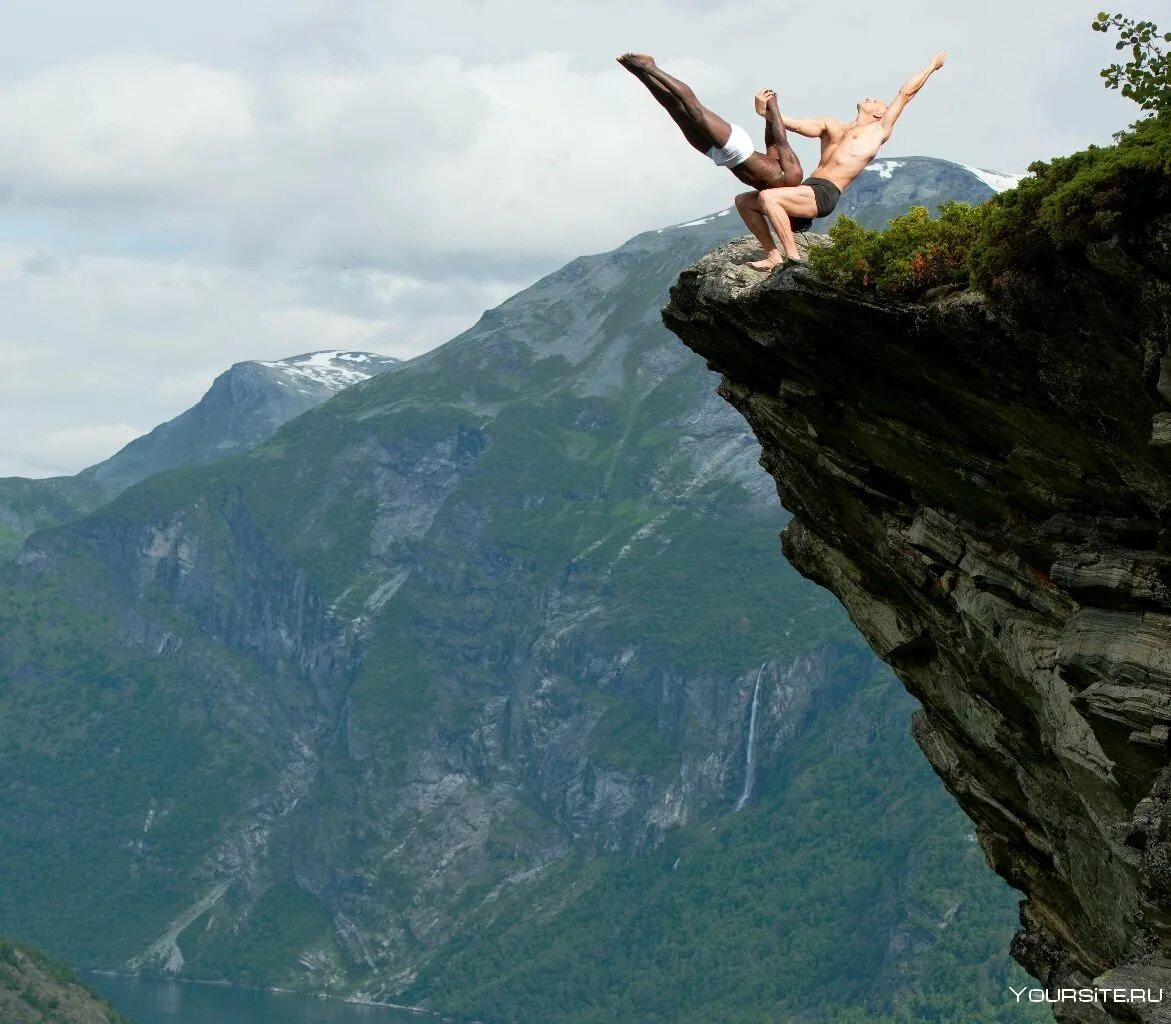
{"x": 1065, "y": 204}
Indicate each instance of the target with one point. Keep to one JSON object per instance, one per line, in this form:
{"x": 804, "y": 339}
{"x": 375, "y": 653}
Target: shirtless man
{"x": 728, "y": 145}
{"x": 846, "y": 149}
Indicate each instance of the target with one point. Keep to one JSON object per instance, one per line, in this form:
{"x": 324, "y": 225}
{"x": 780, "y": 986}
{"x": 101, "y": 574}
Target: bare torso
{"x": 846, "y": 149}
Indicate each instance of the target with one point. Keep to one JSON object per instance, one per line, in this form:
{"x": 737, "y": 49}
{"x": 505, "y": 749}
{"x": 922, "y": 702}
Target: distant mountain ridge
{"x": 248, "y": 402}
{"x": 245, "y": 406}
{"x": 449, "y": 694}
{"x": 892, "y": 185}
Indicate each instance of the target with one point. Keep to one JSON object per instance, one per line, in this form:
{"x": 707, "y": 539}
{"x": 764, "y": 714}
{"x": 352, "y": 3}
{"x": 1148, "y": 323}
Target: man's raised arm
{"x": 907, "y": 93}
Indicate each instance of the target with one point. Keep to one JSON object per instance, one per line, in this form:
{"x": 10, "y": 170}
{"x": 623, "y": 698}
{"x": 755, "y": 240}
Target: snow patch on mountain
{"x": 885, "y": 168}
{"x": 333, "y": 370}
{"x": 995, "y": 180}
{"x": 696, "y": 223}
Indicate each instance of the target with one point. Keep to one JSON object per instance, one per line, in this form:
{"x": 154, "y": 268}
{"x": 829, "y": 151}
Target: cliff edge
{"x": 986, "y": 486}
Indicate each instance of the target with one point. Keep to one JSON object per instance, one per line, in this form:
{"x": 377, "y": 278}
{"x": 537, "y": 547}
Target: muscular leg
{"x": 778, "y": 205}
{"x": 700, "y": 126}
{"x": 776, "y": 144}
{"x": 749, "y": 208}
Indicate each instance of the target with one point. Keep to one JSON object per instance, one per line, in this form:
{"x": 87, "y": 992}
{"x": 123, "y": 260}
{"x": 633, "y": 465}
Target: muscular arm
{"x": 810, "y": 127}
{"x": 907, "y": 93}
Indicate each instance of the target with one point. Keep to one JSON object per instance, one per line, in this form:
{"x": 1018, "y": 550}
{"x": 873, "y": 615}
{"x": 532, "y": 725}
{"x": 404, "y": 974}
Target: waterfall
{"x": 748, "y": 756}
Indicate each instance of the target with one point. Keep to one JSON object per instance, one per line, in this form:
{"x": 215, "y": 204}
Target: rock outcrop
{"x": 986, "y": 485}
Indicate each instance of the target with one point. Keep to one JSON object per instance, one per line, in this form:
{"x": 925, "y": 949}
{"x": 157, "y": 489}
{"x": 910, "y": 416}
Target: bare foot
{"x": 636, "y": 61}
{"x": 771, "y": 261}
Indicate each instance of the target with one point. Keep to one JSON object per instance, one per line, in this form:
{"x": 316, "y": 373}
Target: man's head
{"x": 871, "y": 110}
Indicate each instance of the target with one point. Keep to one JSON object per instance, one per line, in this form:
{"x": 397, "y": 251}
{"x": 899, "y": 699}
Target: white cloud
{"x": 435, "y": 164}
{"x": 89, "y": 443}
{"x": 57, "y": 452}
{"x": 108, "y": 337}
{"x": 114, "y": 123}
{"x": 175, "y": 198}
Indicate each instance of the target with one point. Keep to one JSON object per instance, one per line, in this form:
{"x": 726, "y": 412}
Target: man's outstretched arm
{"x": 907, "y": 93}
{"x": 810, "y": 127}
{"x": 775, "y": 124}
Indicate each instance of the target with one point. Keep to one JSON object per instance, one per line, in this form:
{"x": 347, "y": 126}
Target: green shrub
{"x": 913, "y": 254}
{"x": 1065, "y": 204}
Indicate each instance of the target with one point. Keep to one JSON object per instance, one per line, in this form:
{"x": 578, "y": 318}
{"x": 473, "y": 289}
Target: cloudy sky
{"x": 184, "y": 185}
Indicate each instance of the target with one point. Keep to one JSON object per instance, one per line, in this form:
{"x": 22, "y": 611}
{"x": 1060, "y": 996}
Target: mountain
{"x": 35, "y": 990}
{"x": 483, "y": 686}
{"x": 983, "y": 478}
{"x": 244, "y": 406}
{"x": 889, "y": 187}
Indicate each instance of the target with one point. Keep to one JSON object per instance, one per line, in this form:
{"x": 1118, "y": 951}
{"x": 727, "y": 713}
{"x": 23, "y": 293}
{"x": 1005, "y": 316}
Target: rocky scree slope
{"x": 986, "y": 485}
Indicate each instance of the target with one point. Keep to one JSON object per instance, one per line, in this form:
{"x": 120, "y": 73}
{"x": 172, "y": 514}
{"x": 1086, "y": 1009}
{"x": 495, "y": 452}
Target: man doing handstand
{"x": 846, "y": 149}
{"x": 781, "y": 199}
{"x": 728, "y": 145}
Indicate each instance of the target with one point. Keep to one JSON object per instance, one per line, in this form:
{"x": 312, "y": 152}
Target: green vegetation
{"x": 439, "y": 583}
{"x": 1146, "y": 77}
{"x": 627, "y": 737}
{"x": 92, "y": 744}
{"x": 1065, "y": 205}
{"x": 34, "y": 989}
{"x": 770, "y": 914}
{"x": 10, "y": 542}
{"x": 913, "y": 254}
{"x": 263, "y": 951}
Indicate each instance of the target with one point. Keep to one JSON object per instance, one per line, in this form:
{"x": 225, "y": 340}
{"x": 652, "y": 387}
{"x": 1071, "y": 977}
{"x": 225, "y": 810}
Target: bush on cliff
{"x": 913, "y": 254}
{"x": 1065, "y": 204}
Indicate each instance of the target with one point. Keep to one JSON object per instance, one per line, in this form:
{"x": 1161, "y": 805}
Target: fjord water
{"x": 160, "y": 1001}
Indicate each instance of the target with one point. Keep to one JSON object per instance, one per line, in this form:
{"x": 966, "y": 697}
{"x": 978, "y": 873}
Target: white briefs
{"x": 735, "y": 151}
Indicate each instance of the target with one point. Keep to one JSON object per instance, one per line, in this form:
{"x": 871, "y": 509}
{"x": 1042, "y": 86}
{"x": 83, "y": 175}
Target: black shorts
{"x": 826, "y": 193}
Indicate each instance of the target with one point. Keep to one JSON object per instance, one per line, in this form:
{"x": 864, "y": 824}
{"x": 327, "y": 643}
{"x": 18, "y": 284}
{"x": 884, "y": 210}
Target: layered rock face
{"x": 986, "y": 485}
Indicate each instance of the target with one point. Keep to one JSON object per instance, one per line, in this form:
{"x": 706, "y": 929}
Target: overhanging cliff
{"x": 986, "y": 485}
